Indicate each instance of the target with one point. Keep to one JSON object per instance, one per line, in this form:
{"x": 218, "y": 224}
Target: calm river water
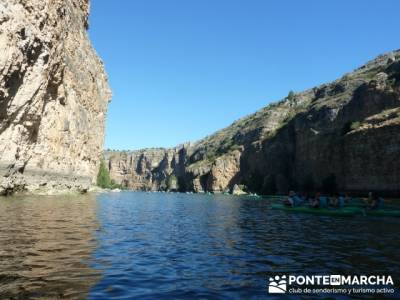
{"x": 167, "y": 246}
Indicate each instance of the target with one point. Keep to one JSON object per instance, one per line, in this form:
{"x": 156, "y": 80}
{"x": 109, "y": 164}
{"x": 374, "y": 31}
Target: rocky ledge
{"x": 53, "y": 97}
{"x": 341, "y": 136}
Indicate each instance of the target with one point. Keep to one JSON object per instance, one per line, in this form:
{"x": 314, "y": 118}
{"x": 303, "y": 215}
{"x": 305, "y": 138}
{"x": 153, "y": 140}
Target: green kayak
{"x": 382, "y": 212}
{"x": 352, "y": 205}
{"x": 342, "y": 212}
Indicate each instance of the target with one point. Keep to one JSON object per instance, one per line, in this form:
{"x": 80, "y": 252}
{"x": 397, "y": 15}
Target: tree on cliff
{"x": 291, "y": 96}
{"x": 103, "y": 177}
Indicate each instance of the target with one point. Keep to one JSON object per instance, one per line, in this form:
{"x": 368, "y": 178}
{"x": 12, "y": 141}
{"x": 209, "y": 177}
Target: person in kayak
{"x": 289, "y": 201}
{"x": 374, "y": 202}
{"x": 292, "y": 200}
{"x": 338, "y": 200}
{"x": 333, "y": 201}
{"x": 315, "y": 202}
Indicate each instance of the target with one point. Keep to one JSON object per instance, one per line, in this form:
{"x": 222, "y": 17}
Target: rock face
{"x": 223, "y": 172}
{"x": 147, "y": 169}
{"x": 53, "y": 96}
{"x": 341, "y": 136}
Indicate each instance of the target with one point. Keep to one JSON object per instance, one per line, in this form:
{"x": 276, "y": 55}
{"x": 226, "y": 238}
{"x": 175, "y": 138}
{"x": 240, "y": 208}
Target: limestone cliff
{"x": 340, "y": 136}
{"x": 147, "y": 169}
{"x": 53, "y": 96}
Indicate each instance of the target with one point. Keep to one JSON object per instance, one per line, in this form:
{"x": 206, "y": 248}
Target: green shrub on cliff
{"x": 291, "y": 96}
{"x": 355, "y": 125}
{"x": 103, "y": 177}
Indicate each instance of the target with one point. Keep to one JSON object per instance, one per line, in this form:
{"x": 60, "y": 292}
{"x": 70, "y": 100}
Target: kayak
{"x": 341, "y": 212}
{"x": 387, "y": 207}
{"x": 359, "y": 205}
{"x": 382, "y": 212}
{"x": 345, "y": 211}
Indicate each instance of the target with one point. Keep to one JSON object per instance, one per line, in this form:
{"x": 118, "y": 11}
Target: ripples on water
{"x": 44, "y": 243}
{"x": 137, "y": 245}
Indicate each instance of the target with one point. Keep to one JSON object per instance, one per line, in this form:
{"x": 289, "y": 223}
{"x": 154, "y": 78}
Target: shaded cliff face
{"x": 341, "y": 136}
{"x": 345, "y": 139}
{"x": 53, "y": 96}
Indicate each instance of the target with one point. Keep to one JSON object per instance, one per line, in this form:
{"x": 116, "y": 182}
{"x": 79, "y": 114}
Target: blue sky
{"x": 182, "y": 69}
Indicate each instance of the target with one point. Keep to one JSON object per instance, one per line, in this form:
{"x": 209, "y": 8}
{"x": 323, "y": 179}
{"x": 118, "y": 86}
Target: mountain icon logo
{"x": 277, "y": 285}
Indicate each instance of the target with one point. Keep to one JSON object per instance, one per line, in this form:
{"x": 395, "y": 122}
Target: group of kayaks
{"x": 351, "y": 210}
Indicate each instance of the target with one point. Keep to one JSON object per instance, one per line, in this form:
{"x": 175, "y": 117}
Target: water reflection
{"x": 45, "y": 243}
{"x": 185, "y": 246}
{"x": 151, "y": 246}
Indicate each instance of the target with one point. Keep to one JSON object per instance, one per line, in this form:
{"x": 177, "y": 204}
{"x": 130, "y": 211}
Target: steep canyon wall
{"x": 53, "y": 97}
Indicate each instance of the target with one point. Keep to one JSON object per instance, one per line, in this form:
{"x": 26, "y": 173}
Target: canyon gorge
{"x": 54, "y": 93}
{"x": 340, "y": 136}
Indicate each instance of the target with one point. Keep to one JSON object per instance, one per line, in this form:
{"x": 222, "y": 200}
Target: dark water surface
{"x": 152, "y": 246}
